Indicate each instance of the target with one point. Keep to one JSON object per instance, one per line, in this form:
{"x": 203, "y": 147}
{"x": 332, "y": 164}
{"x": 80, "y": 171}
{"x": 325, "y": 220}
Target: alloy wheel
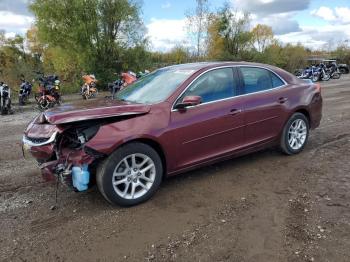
{"x": 133, "y": 176}
{"x": 297, "y": 134}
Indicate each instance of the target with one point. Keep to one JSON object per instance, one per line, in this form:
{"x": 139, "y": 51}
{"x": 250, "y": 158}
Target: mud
{"x": 261, "y": 207}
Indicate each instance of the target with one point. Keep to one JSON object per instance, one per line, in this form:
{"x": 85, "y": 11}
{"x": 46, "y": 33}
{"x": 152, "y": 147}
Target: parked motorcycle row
{"x": 320, "y": 72}
{"x": 48, "y": 94}
{"x": 89, "y": 89}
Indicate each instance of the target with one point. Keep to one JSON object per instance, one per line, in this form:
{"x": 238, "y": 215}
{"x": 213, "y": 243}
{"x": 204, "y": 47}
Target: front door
{"x": 215, "y": 126}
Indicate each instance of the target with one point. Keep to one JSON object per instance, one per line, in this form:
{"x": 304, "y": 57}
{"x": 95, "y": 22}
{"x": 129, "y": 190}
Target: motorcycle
{"x": 25, "y": 90}
{"x": 333, "y": 71}
{"x": 142, "y": 74}
{"x": 309, "y": 73}
{"x": 48, "y": 95}
{"x": 323, "y": 74}
{"x": 5, "y": 99}
{"x": 115, "y": 86}
{"x": 125, "y": 80}
{"x": 315, "y": 73}
{"x": 89, "y": 89}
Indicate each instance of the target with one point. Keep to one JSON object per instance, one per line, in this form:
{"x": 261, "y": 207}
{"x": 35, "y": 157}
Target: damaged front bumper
{"x": 69, "y": 165}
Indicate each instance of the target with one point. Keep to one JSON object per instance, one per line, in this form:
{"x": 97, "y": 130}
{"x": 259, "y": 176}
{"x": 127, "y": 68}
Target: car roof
{"x": 286, "y": 76}
{"x": 205, "y": 65}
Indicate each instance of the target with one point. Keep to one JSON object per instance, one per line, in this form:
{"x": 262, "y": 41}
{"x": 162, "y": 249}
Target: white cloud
{"x": 325, "y": 13}
{"x": 10, "y": 34}
{"x": 165, "y": 34}
{"x": 166, "y": 5}
{"x": 282, "y": 23}
{"x": 318, "y": 37}
{"x": 279, "y": 14}
{"x": 14, "y": 23}
{"x": 337, "y": 15}
{"x": 19, "y": 7}
{"x": 265, "y": 7}
{"x": 343, "y": 14}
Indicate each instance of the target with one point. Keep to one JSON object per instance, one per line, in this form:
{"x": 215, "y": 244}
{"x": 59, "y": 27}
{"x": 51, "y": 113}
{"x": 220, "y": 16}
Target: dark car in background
{"x": 173, "y": 120}
{"x": 343, "y": 68}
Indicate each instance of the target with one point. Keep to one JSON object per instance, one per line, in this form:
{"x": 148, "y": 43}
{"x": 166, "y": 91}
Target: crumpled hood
{"x": 93, "y": 109}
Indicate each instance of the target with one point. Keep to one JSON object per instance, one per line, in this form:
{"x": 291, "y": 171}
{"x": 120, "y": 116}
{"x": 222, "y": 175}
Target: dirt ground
{"x": 261, "y": 207}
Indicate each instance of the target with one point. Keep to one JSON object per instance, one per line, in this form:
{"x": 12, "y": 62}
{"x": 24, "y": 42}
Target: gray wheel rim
{"x": 133, "y": 176}
{"x": 297, "y": 134}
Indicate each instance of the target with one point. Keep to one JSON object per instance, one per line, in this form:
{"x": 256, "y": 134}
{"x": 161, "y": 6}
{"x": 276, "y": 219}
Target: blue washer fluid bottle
{"x": 80, "y": 177}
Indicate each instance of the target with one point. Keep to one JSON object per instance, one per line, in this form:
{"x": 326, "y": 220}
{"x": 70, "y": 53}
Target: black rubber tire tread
{"x": 284, "y": 145}
{"x": 106, "y": 168}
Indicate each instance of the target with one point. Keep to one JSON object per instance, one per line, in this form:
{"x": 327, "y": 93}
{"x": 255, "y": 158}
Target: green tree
{"x": 233, "y": 27}
{"x": 14, "y": 61}
{"x": 94, "y": 33}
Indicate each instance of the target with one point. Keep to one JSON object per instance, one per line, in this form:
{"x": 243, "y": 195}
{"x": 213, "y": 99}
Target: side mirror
{"x": 189, "y": 101}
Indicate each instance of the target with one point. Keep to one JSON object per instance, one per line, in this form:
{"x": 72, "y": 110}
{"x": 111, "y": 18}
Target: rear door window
{"x": 257, "y": 79}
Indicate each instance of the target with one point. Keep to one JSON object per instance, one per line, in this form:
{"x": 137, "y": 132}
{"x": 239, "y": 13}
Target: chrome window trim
{"x": 232, "y": 97}
{"x": 30, "y": 143}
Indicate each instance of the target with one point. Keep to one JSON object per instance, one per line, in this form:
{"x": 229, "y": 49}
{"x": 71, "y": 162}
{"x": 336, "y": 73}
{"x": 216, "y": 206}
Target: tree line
{"x": 73, "y": 37}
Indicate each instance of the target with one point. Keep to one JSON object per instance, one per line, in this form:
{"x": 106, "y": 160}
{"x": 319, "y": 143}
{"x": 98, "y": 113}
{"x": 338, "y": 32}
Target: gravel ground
{"x": 261, "y": 207}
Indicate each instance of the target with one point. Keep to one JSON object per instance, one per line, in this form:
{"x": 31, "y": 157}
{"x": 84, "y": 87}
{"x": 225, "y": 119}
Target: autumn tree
{"x": 215, "y": 40}
{"x": 197, "y": 22}
{"x": 262, "y": 37}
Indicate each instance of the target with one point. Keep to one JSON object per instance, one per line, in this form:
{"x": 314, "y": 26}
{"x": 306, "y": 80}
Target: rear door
{"x": 265, "y": 109}
{"x": 215, "y": 126}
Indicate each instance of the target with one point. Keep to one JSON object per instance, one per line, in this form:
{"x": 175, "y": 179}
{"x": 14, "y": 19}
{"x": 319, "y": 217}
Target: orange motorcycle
{"x": 89, "y": 89}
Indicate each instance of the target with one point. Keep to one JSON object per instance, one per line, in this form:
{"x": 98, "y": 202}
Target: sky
{"x": 314, "y": 23}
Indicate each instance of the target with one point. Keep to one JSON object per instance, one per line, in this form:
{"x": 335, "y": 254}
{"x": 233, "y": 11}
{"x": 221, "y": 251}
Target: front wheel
{"x": 131, "y": 175}
{"x": 326, "y": 77}
{"x": 43, "y": 104}
{"x": 21, "y": 101}
{"x": 295, "y": 134}
{"x": 315, "y": 77}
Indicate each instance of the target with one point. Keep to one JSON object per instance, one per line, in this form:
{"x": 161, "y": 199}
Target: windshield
{"x": 155, "y": 87}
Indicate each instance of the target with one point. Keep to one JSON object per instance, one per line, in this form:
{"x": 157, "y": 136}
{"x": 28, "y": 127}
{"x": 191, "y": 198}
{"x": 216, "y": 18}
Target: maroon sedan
{"x": 170, "y": 121}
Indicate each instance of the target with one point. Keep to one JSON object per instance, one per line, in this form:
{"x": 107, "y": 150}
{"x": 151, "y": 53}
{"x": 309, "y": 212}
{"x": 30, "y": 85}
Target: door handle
{"x": 235, "y": 111}
{"x": 282, "y": 100}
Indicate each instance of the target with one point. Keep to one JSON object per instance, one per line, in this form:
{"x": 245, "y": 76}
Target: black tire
{"x": 284, "y": 144}
{"x": 43, "y": 104}
{"x": 343, "y": 70}
{"x": 336, "y": 75}
{"x": 315, "y": 78}
{"x": 104, "y": 176}
{"x": 326, "y": 77}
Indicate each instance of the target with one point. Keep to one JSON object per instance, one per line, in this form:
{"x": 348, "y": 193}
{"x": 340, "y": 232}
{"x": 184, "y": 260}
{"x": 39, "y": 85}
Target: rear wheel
{"x": 336, "y": 76}
{"x": 295, "y": 134}
{"x": 131, "y": 175}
